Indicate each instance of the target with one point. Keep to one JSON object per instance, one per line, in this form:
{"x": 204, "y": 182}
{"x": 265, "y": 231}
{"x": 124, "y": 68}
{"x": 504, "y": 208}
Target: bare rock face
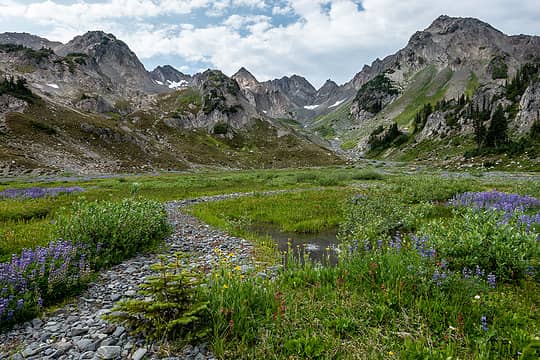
{"x": 435, "y": 127}
{"x": 222, "y": 104}
{"x": 95, "y": 104}
{"x": 529, "y": 109}
{"x": 326, "y": 92}
{"x": 296, "y": 88}
{"x": 373, "y": 96}
{"x": 271, "y": 102}
{"x": 114, "y": 59}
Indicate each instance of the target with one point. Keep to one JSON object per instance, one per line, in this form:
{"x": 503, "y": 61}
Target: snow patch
{"x": 311, "y": 107}
{"x": 264, "y": 111}
{"x": 337, "y": 103}
{"x": 159, "y": 82}
{"x": 54, "y": 86}
{"x": 177, "y": 84}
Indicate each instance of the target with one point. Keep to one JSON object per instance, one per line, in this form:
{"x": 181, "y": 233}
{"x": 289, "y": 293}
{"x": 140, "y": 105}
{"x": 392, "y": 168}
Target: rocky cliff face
{"x": 115, "y": 60}
{"x": 454, "y": 58}
{"x": 291, "y": 97}
{"x": 270, "y": 101}
{"x": 529, "y": 108}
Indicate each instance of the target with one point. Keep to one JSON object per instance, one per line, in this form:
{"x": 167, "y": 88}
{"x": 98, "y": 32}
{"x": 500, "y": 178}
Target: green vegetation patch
{"x": 426, "y": 86}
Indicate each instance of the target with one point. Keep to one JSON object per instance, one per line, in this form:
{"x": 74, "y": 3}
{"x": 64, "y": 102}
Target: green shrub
{"x": 114, "y": 231}
{"x": 483, "y": 238}
{"x": 367, "y": 174}
{"x": 221, "y": 128}
{"x": 171, "y": 307}
{"x": 17, "y": 88}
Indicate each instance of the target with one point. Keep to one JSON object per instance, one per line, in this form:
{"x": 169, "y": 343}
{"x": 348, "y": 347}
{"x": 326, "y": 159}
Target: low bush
{"x": 113, "y": 231}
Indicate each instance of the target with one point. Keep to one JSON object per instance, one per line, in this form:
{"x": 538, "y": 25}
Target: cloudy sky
{"x": 318, "y": 39}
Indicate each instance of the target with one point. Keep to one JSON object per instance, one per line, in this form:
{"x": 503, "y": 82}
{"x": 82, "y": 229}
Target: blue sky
{"x": 318, "y": 39}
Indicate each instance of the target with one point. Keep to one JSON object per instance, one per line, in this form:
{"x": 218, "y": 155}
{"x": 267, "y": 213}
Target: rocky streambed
{"x": 76, "y": 329}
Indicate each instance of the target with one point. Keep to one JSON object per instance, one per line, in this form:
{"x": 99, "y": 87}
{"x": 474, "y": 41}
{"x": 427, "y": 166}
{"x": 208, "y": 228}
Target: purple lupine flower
{"x": 483, "y": 323}
{"x": 367, "y": 246}
{"x": 39, "y": 271}
{"x": 496, "y": 200}
{"x": 492, "y": 280}
{"x": 479, "y": 272}
{"x": 38, "y": 192}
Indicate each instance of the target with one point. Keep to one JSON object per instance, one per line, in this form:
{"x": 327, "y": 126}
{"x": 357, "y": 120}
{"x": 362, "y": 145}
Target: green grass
{"x": 428, "y": 86}
{"x": 306, "y": 211}
{"x": 349, "y": 144}
{"x": 380, "y": 304}
{"x": 330, "y": 124}
{"x": 472, "y": 85}
{"x": 22, "y": 221}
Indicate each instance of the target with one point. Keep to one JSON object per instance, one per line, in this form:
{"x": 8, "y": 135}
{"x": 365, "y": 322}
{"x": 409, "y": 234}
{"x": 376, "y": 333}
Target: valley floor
{"x": 423, "y": 270}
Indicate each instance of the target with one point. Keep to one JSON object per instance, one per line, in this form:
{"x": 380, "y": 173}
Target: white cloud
{"x": 333, "y": 43}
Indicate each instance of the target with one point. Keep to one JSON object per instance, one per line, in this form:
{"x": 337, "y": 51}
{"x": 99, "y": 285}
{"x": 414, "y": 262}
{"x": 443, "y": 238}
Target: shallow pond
{"x": 319, "y": 246}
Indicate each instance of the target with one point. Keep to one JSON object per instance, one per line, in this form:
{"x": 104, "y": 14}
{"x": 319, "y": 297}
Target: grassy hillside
{"x": 56, "y": 137}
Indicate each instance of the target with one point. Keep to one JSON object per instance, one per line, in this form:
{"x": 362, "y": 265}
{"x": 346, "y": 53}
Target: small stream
{"x": 319, "y": 246}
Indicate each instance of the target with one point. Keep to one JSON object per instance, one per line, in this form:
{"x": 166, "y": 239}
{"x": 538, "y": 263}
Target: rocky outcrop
{"x": 373, "y": 96}
{"x": 435, "y": 127}
{"x": 271, "y": 102}
{"x": 529, "y": 109}
{"x": 296, "y": 88}
{"x": 114, "y": 59}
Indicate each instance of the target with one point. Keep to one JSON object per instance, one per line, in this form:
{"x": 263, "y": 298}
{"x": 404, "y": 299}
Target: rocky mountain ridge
{"x": 434, "y": 88}
{"x": 447, "y": 83}
{"x": 90, "y": 106}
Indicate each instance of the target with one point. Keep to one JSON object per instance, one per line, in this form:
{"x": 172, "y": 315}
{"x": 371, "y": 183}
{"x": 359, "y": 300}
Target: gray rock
{"x": 86, "y": 345}
{"x": 109, "y": 352}
{"x": 119, "y": 331}
{"x": 79, "y": 331}
{"x": 139, "y": 354}
{"x": 63, "y": 346}
{"x": 37, "y": 323}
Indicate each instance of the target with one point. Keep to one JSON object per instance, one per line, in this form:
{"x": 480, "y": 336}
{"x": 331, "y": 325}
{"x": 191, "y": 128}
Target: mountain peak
{"x": 329, "y": 85}
{"x": 244, "y": 77}
{"x": 445, "y": 24}
{"x": 169, "y": 76}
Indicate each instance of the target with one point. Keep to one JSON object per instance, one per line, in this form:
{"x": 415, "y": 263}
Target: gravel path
{"x": 76, "y": 330}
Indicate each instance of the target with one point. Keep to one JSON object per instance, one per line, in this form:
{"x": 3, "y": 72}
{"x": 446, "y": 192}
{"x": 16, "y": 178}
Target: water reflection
{"x": 321, "y": 246}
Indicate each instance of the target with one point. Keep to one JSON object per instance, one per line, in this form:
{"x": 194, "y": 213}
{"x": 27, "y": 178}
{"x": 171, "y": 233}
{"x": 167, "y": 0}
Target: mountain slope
{"x": 453, "y": 66}
{"x": 89, "y": 106}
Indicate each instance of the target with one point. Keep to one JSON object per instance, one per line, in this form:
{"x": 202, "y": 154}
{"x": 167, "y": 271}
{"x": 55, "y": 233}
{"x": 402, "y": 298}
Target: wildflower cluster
{"x": 495, "y": 200}
{"x": 514, "y": 207}
{"x": 100, "y": 234}
{"x": 38, "y": 277}
{"x": 38, "y": 192}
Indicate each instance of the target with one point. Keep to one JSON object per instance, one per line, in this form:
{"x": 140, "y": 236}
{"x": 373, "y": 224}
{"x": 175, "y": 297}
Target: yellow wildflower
{"x": 225, "y": 286}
